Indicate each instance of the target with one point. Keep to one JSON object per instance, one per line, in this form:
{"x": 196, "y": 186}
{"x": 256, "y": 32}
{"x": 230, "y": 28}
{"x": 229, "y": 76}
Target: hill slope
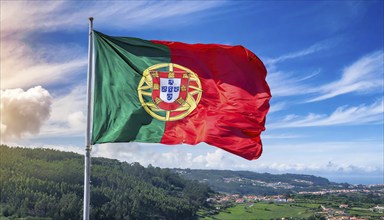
{"x": 49, "y": 183}
{"x": 246, "y": 182}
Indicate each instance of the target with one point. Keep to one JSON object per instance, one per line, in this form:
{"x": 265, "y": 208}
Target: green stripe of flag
{"x": 118, "y": 115}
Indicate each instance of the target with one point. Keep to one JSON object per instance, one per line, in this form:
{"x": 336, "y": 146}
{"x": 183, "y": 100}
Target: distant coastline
{"x": 364, "y": 180}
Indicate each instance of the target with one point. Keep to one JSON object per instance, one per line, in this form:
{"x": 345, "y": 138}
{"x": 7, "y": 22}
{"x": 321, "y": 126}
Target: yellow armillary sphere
{"x": 169, "y": 92}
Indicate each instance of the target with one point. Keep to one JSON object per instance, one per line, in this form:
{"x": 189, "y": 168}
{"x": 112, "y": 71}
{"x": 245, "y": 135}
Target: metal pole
{"x": 88, "y": 148}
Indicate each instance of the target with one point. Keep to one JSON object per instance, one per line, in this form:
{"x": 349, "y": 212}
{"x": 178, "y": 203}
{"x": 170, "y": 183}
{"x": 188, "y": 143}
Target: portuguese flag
{"x": 174, "y": 93}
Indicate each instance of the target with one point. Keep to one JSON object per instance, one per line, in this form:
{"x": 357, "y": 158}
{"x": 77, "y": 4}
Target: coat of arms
{"x": 174, "y": 91}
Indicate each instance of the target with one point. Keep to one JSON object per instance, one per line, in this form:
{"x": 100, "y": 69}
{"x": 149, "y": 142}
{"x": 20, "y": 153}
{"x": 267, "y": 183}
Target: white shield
{"x": 169, "y": 89}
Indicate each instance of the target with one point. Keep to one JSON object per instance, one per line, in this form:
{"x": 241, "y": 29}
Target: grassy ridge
{"x": 303, "y": 208}
{"x": 264, "y": 211}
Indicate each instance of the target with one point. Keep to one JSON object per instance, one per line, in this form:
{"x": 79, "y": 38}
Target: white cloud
{"x": 68, "y": 117}
{"x": 345, "y": 115}
{"x": 147, "y": 13}
{"x": 53, "y": 15}
{"x": 363, "y": 76}
{"x": 217, "y": 159}
{"x": 275, "y": 107}
{"x": 23, "y": 112}
{"x": 297, "y": 54}
{"x": 286, "y": 84}
{"x": 181, "y": 156}
{"x": 325, "y": 158}
{"x": 326, "y": 167}
{"x": 34, "y": 17}
{"x": 283, "y": 83}
{"x": 23, "y": 67}
{"x": 266, "y": 136}
{"x": 120, "y": 151}
{"x": 76, "y": 120}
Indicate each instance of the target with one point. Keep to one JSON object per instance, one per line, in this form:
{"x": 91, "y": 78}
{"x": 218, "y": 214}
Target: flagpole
{"x": 88, "y": 147}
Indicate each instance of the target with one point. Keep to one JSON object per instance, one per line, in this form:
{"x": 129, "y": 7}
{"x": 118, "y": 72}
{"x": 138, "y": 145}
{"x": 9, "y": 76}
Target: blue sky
{"x": 324, "y": 61}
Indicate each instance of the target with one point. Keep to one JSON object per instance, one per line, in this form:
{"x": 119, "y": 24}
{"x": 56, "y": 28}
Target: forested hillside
{"x": 247, "y": 182}
{"x": 49, "y": 183}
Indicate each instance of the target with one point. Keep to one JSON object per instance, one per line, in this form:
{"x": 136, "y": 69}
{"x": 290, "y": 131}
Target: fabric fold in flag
{"x": 174, "y": 93}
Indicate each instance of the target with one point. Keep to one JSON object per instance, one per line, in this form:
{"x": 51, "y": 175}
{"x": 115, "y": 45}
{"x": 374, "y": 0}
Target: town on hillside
{"x": 330, "y": 210}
